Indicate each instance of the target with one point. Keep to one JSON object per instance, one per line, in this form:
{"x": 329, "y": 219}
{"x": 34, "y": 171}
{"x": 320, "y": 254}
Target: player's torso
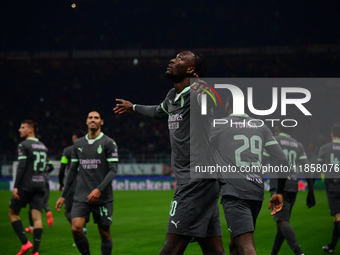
{"x": 179, "y": 115}
{"x": 239, "y": 143}
{"x": 293, "y": 152}
{"x": 92, "y": 159}
{"x": 189, "y": 131}
{"x": 34, "y": 174}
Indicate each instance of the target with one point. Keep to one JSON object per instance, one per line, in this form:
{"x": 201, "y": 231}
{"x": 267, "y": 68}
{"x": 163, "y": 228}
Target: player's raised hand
{"x": 16, "y": 194}
{"x": 199, "y": 86}
{"x": 277, "y": 200}
{"x": 59, "y": 203}
{"x": 94, "y": 196}
{"x": 124, "y": 106}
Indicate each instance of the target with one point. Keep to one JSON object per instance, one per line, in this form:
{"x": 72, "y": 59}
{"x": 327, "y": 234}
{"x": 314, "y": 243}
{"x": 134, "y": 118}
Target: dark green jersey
{"x": 187, "y": 128}
{"x": 329, "y": 154}
{"x": 295, "y": 153}
{"x": 32, "y": 156}
{"x": 240, "y": 143}
{"x": 97, "y": 161}
{"x": 66, "y": 163}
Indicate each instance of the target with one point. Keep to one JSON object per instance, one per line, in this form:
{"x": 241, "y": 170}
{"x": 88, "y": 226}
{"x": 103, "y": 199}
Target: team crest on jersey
{"x": 99, "y": 150}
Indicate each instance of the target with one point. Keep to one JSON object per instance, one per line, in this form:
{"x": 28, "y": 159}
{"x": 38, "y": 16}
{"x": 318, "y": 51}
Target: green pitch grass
{"x": 140, "y": 219}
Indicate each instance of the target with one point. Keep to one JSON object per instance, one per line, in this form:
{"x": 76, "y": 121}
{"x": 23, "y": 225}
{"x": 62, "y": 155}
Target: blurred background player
{"x": 65, "y": 165}
{"x": 96, "y": 157}
{"x": 241, "y": 144}
{"x": 179, "y": 106}
{"x": 329, "y": 154}
{"x": 296, "y": 155}
{"x": 46, "y": 207}
{"x": 29, "y": 186}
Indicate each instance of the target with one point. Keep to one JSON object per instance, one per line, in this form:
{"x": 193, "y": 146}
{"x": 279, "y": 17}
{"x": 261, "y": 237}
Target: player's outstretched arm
{"x": 124, "y": 106}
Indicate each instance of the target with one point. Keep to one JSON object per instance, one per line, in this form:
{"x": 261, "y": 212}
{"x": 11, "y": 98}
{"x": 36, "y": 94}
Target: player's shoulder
{"x": 171, "y": 94}
{"x": 284, "y": 136}
{"x": 171, "y": 91}
{"x": 22, "y": 143}
{"x": 108, "y": 140}
{"x": 327, "y": 146}
{"x": 80, "y": 141}
{"x": 34, "y": 143}
{"x": 68, "y": 148}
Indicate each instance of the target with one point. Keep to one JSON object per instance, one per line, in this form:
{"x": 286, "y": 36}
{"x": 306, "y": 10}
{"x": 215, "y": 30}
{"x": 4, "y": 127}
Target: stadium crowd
{"x": 57, "y": 93}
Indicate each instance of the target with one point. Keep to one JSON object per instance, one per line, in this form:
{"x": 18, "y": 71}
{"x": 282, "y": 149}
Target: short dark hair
{"x": 79, "y": 133}
{"x": 336, "y": 130}
{"x": 201, "y": 64}
{"x": 100, "y": 113}
{"x": 32, "y": 124}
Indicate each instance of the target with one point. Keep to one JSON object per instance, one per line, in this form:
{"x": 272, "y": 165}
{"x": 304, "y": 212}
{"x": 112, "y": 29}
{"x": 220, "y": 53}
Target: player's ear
{"x": 102, "y": 122}
{"x": 191, "y": 70}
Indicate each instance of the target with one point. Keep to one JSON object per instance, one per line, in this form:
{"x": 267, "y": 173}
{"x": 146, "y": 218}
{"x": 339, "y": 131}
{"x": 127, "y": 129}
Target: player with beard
{"x": 96, "y": 157}
{"x": 194, "y": 209}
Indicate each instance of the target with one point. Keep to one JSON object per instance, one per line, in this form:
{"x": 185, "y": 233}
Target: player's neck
{"x": 182, "y": 85}
{"x": 335, "y": 139}
{"x": 93, "y": 134}
{"x": 30, "y": 136}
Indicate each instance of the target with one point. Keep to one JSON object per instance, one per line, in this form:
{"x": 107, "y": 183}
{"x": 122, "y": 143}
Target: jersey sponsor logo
{"x": 99, "y": 150}
{"x": 173, "y": 125}
{"x": 175, "y": 117}
{"x": 173, "y": 120}
{"x": 175, "y": 223}
{"x": 38, "y": 146}
{"x": 90, "y": 163}
{"x": 80, "y": 149}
